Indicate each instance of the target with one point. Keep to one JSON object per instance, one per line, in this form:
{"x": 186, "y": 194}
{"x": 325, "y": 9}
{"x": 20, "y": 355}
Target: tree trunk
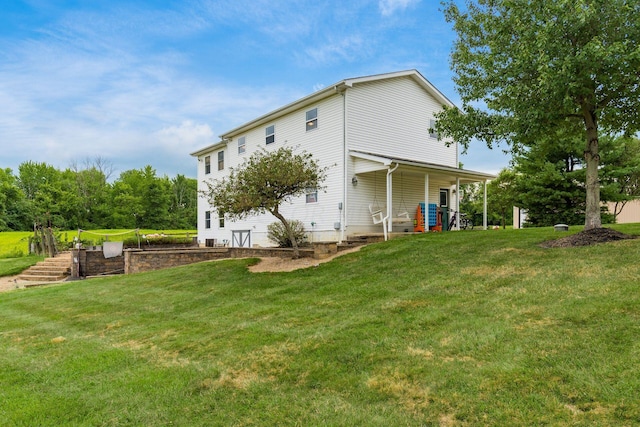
{"x": 292, "y": 238}
{"x": 592, "y": 158}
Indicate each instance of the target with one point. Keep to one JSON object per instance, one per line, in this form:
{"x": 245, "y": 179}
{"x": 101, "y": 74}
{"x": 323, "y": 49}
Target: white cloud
{"x": 347, "y": 49}
{"x": 388, "y": 7}
{"x": 188, "y": 133}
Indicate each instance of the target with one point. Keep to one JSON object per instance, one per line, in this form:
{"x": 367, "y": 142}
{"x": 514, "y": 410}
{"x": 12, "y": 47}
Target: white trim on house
{"x": 465, "y": 176}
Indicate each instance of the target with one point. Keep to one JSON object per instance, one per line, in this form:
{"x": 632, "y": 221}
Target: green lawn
{"x": 451, "y": 329}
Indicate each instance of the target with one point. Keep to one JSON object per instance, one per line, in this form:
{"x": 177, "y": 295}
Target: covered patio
{"x": 393, "y": 189}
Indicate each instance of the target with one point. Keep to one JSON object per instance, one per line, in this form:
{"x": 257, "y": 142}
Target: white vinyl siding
{"x": 384, "y": 117}
{"x": 392, "y": 118}
{"x": 325, "y": 144}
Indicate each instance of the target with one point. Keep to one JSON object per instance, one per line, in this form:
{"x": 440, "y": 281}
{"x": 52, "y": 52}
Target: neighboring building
{"x": 630, "y": 213}
{"x": 376, "y": 135}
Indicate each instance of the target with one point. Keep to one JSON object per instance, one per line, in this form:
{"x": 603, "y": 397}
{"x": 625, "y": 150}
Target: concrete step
{"x": 50, "y": 270}
{"x": 46, "y": 268}
{"x": 42, "y": 277}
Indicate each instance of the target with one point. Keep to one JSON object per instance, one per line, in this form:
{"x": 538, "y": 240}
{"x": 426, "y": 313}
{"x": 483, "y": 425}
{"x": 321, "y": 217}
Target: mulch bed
{"x": 588, "y": 237}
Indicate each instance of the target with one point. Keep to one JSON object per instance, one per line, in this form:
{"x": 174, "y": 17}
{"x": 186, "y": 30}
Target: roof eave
{"x": 282, "y": 111}
{"x": 464, "y": 174}
{"x": 209, "y": 148}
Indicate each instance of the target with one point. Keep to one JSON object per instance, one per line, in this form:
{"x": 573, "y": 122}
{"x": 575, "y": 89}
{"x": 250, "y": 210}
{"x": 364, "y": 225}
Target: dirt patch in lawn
{"x": 588, "y": 237}
{"x": 8, "y": 283}
{"x": 274, "y": 264}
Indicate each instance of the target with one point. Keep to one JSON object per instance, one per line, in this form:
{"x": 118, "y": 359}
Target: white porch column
{"x": 484, "y": 209}
{"x": 458, "y": 203}
{"x": 389, "y": 217}
{"x": 426, "y": 202}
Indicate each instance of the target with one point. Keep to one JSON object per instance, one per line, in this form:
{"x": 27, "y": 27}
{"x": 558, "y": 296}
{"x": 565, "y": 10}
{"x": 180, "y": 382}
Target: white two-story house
{"x": 389, "y": 171}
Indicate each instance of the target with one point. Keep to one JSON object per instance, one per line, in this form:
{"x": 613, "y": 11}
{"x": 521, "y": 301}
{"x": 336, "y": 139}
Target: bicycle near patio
{"x": 464, "y": 221}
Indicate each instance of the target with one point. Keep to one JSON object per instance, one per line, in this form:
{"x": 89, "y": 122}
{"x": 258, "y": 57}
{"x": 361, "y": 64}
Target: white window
{"x": 207, "y": 219}
{"x": 220, "y": 160}
{"x": 221, "y": 221}
{"x": 242, "y": 143}
{"x": 312, "y": 119}
{"x": 207, "y": 165}
{"x": 432, "y": 129}
{"x": 312, "y": 197}
{"x": 270, "y": 134}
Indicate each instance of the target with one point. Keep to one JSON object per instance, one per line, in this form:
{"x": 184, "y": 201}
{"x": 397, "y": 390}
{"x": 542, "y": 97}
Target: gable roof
{"x": 333, "y": 89}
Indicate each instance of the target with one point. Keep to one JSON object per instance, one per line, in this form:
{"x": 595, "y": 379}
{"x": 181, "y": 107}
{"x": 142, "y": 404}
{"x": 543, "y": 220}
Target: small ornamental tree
{"x": 263, "y": 182}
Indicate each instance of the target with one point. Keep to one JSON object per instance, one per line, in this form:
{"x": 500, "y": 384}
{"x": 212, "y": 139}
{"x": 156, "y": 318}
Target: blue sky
{"x": 148, "y": 82}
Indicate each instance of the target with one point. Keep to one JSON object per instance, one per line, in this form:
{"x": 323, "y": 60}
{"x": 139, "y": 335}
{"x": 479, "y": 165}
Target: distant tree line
{"x": 84, "y": 197}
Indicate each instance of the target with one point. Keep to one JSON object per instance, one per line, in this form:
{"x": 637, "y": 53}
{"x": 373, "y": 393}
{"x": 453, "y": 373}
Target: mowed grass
{"x": 453, "y": 329}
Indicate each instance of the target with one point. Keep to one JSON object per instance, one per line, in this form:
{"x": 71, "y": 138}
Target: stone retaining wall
{"x": 137, "y": 260}
{"x": 93, "y": 262}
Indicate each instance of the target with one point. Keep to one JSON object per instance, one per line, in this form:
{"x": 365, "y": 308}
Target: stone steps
{"x": 50, "y": 270}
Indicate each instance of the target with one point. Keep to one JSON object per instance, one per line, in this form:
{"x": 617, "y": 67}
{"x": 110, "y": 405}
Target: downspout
{"x": 345, "y": 159}
{"x": 389, "y": 225}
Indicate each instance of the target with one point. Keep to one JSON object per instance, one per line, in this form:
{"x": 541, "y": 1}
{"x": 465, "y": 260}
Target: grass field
{"x": 14, "y": 244}
{"x": 452, "y": 329}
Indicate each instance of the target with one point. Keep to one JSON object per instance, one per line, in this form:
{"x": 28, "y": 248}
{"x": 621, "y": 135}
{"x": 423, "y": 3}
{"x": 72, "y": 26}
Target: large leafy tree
{"x": 263, "y": 182}
{"x": 13, "y": 206}
{"x": 501, "y": 195}
{"x": 525, "y": 67}
{"x": 184, "y": 207}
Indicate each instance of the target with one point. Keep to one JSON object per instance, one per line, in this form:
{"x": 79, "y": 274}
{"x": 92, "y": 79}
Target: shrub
{"x": 277, "y": 233}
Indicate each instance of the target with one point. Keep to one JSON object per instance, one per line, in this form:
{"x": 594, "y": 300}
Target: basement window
{"x": 312, "y": 197}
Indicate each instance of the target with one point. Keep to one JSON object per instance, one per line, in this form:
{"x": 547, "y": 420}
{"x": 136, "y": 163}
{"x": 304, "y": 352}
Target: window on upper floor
{"x": 221, "y": 221}
{"x": 242, "y": 145}
{"x": 432, "y": 129}
{"x": 207, "y": 219}
{"x": 270, "y": 134}
{"x": 220, "y": 160}
{"x": 312, "y": 119}
{"x": 207, "y": 165}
